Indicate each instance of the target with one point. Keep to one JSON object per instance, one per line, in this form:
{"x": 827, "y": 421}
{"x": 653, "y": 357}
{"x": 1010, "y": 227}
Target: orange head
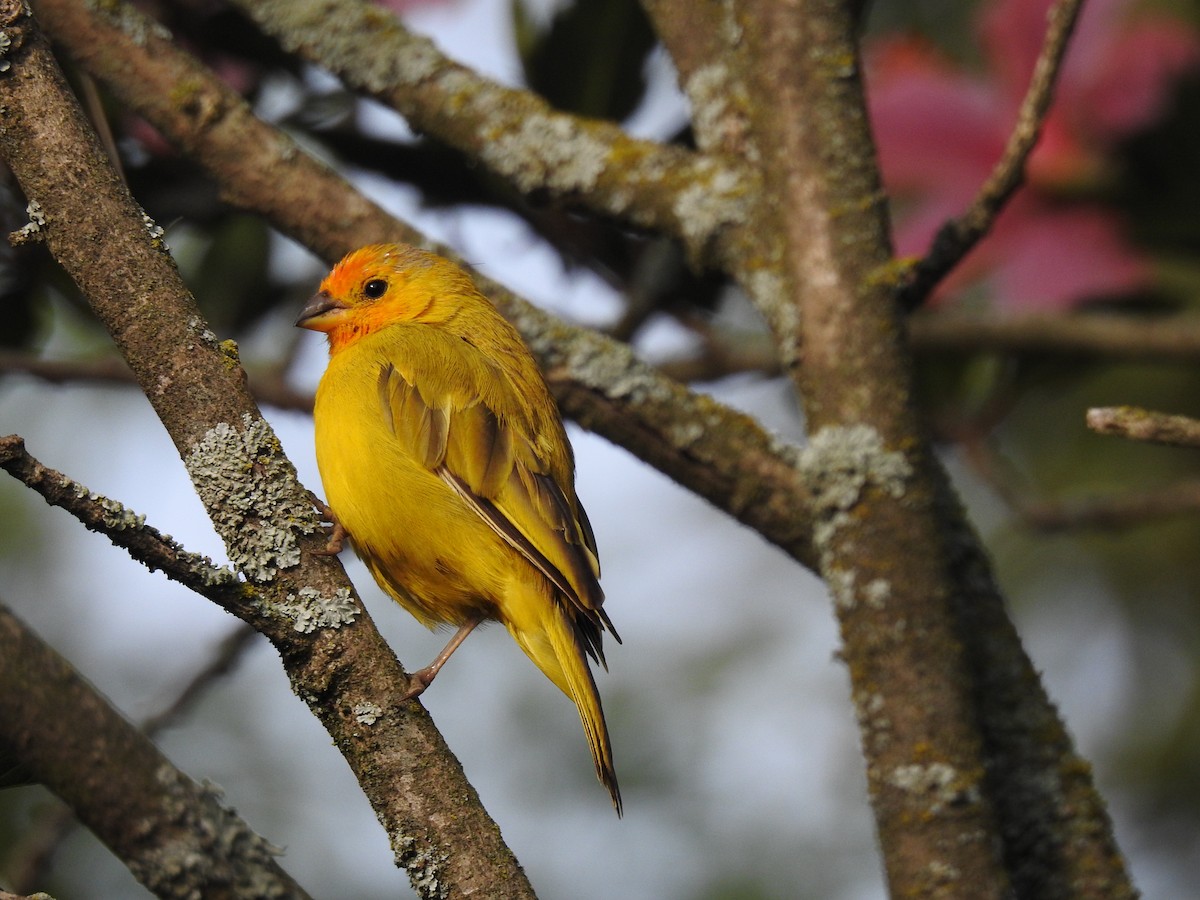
{"x": 384, "y": 284}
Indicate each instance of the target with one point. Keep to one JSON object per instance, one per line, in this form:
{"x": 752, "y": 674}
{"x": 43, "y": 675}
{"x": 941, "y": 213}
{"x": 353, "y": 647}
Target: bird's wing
{"x": 492, "y": 463}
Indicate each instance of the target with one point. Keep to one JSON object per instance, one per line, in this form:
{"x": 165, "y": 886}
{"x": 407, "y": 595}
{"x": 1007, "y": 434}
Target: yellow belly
{"x": 426, "y": 547}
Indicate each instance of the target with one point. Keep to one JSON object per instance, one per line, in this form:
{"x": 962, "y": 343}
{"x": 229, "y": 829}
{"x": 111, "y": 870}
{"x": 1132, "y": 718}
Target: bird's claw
{"x": 337, "y": 532}
{"x": 418, "y": 681}
{"x": 336, "y": 542}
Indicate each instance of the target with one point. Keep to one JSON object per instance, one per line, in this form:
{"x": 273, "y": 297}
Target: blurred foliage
{"x": 948, "y": 23}
{"x": 1158, "y": 189}
{"x": 1026, "y": 413}
{"x": 592, "y": 58}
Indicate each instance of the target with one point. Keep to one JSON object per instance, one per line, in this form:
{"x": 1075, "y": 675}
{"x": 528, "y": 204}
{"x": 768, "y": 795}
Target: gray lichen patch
{"x": 31, "y": 230}
{"x": 708, "y": 91}
{"x": 116, "y": 518}
{"x": 719, "y": 103}
{"x": 839, "y": 464}
{"x": 156, "y": 232}
{"x": 367, "y": 713}
{"x": 619, "y": 374}
{"x": 551, "y": 151}
{"x": 939, "y": 783}
{"x": 250, "y": 489}
{"x": 197, "y": 326}
{"x": 201, "y": 843}
{"x": 309, "y": 609}
{"x": 841, "y": 586}
{"x": 417, "y": 58}
{"x": 877, "y": 592}
{"x": 715, "y": 198}
{"x": 423, "y": 863}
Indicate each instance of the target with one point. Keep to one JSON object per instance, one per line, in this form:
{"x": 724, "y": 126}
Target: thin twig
{"x": 1181, "y": 498}
{"x": 958, "y": 237}
{"x": 1104, "y": 513}
{"x": 1144, "y": 425}
{"x": 225, "y": 657}
{"x": 98, "y": 370}
{"x": 124, "y": 528}
{"x": 1174, "y": 338}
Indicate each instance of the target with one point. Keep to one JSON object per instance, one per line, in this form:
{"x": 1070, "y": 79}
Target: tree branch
{"x": 513, "y": 132}
{"x": 719, "y": 453}
{"x": 879, "y": 546}
{"x": 958, "y": 237}
{"x": 700, "y": 38}
{"x": 130, "y": 532}
{"x": 974, "y": 782}
{"x": 1174, "y": 338}
{"x": 1144, "y": 425}
{"x": 333, "y": 655}
{"x": 31, "y": 857}
{"x": 173, "y": 833}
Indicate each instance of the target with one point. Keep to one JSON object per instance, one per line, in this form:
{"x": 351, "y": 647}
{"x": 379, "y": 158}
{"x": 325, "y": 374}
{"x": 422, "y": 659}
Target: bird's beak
{"x": 316, "y": 313}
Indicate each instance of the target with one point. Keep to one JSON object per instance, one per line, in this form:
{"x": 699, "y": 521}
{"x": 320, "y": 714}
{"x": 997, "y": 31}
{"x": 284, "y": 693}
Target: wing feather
{"x": 492, "y": 464}
{"x": 423, "y": 429}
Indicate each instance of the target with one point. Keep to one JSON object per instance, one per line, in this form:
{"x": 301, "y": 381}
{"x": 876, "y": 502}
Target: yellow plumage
{"x": 444, "y": 459}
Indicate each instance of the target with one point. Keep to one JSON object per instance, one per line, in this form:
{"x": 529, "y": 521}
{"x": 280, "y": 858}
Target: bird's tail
{"x": 556, "y": 648}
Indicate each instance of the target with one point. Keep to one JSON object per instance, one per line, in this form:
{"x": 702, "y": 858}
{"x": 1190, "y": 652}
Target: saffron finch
{"x": 446, "y": 463}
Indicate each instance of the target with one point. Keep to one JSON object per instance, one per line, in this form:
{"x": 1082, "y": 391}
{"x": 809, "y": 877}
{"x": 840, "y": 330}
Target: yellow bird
{"x": 445, "y": 461}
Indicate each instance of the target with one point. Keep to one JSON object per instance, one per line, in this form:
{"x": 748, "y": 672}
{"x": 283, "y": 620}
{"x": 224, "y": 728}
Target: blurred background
{"x": 732, "y": 728}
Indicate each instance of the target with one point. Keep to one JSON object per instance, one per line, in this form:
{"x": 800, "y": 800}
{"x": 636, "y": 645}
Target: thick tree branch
{"x": 31, "y": 857}
{"x": 712, "y": 450}
{"x": 959, "y": 236}
{"x": 512, "y": 132}
{"x": 336, "y": 660}
{"x": 173, "y": 833}
{"x": 880, "y": 551}
{"x": 974, "y": 781}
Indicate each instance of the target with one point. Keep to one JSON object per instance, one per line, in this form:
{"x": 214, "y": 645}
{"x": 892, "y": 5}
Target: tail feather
{"x": 557, "y": 649}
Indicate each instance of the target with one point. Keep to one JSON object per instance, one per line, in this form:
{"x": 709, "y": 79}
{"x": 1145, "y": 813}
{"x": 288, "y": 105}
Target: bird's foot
{"x": 418, "y": 681}
{"x": 336, "y": 542}
{"x": 337, "y": 531}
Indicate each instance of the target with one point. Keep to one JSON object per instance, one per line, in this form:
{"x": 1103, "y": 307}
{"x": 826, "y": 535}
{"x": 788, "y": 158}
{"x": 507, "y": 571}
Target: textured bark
{"x": 514, "y": 133}
{"x": 883, "y": 553}
{"x": 974, "y": 782}
{"x": 174, "y": 834}
{"x": 335, "y": 659}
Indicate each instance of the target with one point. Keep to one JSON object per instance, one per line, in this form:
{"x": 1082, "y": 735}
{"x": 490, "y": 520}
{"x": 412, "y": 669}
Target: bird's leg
{"x": 337, "y": 534}
{"x": 423, "y": 678}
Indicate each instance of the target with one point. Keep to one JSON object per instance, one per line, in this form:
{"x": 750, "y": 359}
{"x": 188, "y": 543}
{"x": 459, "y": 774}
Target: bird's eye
{"x": 375, "y": 288}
